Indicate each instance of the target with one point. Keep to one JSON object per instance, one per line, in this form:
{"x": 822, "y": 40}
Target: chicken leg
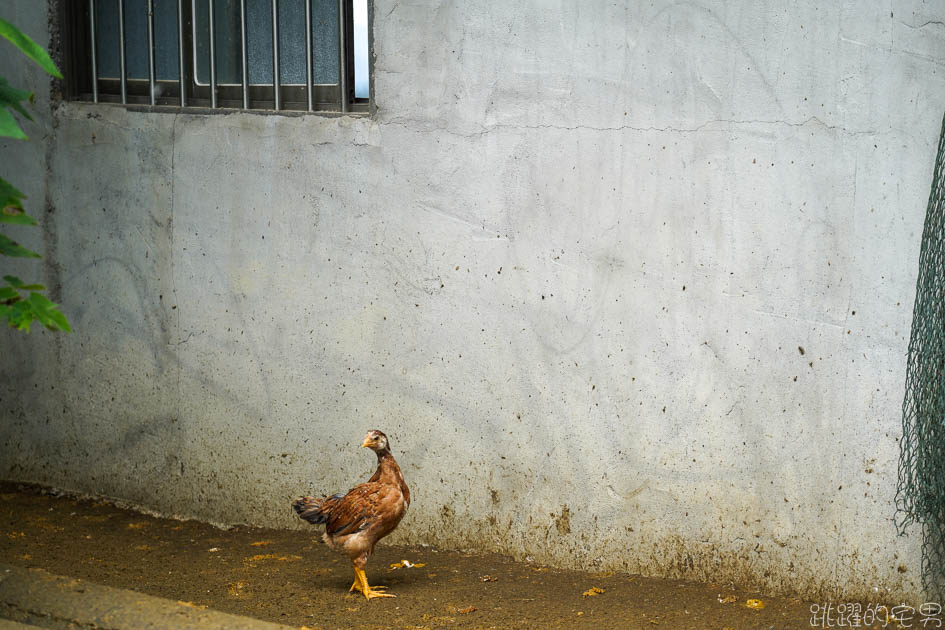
{"x": 361, "y": 585}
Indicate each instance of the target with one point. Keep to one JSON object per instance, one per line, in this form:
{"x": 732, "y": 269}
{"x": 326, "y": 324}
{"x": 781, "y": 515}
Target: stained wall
{"x": 629, "y": 286}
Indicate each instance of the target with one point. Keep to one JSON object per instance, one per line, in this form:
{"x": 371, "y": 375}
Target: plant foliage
{"x": 20, "y": 303}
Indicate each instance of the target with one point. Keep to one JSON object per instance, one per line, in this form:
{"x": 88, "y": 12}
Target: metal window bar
{"x": 180, "y": 53}
{"x": 152, "y": 86}
{"x": 308, "y": 55}
{"x": 342, "y": 57}
{"x": 244, "y": 51}
{"x": 276, "y": 101}
{"x": 213, "y": 58}
{"x": 94, "y": 60}
{"x": 121, "y": 52}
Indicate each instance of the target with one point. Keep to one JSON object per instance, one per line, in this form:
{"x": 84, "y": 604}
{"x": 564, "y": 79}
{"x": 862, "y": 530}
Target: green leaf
{"x": 30, "y": 48}
{"x": 21, "y": 313}
{"x": 48, "y": 313}
{"x": 11, "y": 97}
{"x": 9, "y": 195}
{"x": 11, "y": 206}
{"x": 9, "y": 247}
{"x": 21, "y": 316}
{"x": 6, "y": 312}
{"x": 16, "y": 283}
{"x": 16, "y": 216}
{"x": 9, "y": 128}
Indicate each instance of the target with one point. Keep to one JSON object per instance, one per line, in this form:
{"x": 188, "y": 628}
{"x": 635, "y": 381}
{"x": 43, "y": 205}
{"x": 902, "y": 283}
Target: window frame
{"x": 75, "y": 28}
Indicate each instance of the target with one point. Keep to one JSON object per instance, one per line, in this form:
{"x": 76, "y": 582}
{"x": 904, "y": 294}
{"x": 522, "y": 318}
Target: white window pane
{"x": 361, "y": 78}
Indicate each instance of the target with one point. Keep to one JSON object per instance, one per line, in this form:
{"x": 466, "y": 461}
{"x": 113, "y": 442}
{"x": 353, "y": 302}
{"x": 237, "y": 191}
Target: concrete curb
{"x": 38, "y": 598}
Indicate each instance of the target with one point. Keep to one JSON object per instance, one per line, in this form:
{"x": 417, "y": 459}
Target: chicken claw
{"x": 372, "y": 592}
{"x": 369, "y": 592}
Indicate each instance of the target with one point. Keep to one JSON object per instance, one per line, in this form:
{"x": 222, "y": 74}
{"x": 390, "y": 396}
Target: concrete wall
{"x": 629, "y": 285}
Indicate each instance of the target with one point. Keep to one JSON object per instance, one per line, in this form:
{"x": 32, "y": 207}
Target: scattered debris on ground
{"x": 289, "y": 577}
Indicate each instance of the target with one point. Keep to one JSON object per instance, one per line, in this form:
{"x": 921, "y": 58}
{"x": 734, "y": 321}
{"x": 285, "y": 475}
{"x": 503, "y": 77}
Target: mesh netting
{"x": 920, "y": 496}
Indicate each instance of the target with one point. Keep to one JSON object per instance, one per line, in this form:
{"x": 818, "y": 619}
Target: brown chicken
{"x": 354, "y": 522}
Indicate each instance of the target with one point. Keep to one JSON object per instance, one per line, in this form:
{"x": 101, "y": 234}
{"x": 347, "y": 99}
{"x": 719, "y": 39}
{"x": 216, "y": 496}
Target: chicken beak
{"x": 367, "y": 442}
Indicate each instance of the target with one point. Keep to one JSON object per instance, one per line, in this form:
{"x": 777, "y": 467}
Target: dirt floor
{"x": 288, "y": 577}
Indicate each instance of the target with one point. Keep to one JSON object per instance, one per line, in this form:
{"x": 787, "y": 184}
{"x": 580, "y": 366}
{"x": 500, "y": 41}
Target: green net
{"x": 920, "y": 495}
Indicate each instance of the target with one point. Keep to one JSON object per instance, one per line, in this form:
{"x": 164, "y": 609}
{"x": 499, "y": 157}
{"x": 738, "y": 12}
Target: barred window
{"x": 307, "y": 55}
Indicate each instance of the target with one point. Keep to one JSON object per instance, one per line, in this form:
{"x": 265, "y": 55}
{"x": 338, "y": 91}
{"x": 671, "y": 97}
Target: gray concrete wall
{"x": 629, "y": 285}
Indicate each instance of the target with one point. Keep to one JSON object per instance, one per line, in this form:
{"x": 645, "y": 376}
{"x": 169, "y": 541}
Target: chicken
{"x": 355, "y": 521}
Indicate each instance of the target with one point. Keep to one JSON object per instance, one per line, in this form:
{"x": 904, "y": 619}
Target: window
{"x": 221, "y": 53}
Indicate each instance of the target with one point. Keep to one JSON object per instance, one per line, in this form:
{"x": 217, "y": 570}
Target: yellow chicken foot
{"x": 357, "y": 583}
{"x": 368, "y": 591}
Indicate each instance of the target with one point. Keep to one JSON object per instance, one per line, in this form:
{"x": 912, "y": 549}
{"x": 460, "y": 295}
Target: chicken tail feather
{"x": 315, "y": 511}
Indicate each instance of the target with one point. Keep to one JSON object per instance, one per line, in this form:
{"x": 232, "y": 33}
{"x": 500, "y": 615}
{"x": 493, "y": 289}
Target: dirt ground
{"x": 289, "y": 577}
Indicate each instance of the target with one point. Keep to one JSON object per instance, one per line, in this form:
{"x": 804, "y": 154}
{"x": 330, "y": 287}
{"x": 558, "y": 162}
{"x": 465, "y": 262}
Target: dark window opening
{"x": 140, "y": 50}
